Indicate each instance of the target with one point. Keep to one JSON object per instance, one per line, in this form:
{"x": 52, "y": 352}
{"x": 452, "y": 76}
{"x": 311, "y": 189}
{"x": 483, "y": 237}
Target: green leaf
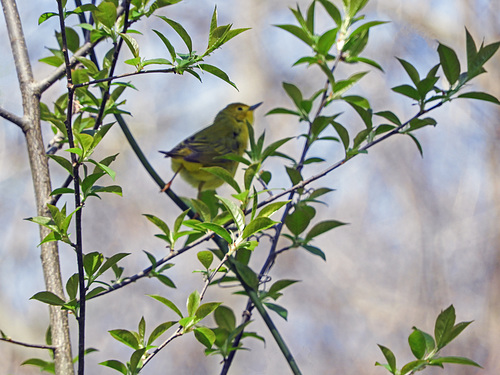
{"x": 332, "y": 10}
{"x": 281, "y": 311}
{"x": 193, "y": 302}
{"x": 110, "y": 262}
{"x": 225, "y": 318}
{"x": 235, "y": 211}
{"x": 298, "y": 32}
{"x": 159, "y": 330}
{"x": 206, "y": 258}
{"x": 63, "y": 162}
{"x": 205, "y": 336}
{"x": 388, "y": 115}
{"x": 219, "y": 230}
{"x": 248, "y": 276}
{"x": 72, "y": 286}
{"x": 218, "y": 73}
{"x": 408, "y": 91}
{"x": 479, "y": 96}
{"x": 389, "y": 357}
{"x": 132, "y": 44}
{"x": 257, "y": 225}
{"x": 343, "y": 134}
{"x": 410, "y": 70}
{"x": 167, "y": 44}
{"x": 271, "y": 208}
{"x": 294, "y": 174}
{"x": 48, "y": 298}
{"x": 451, "y": 359}
{"x": 299, "y": 219}
{"x": 322, "y": 227}
{"x": 315, "y": 251}
{"x": 126, "y": 337}
{"x": 206, "y": 309}
{"x": 45, "y": 16}
{"x": 326, "y": 41}
{"x": 280, "y": 285}
{"x": 115, "y": 365}
{"x": 444, "y": 326}
{"x": 418, "y": 123}
{"x": 106, "y": 13}
{"x": 417, "y": 344}
{"x": 294, "y": 93}
{"x": 449, "y": 63}
{"x": 92, "y": 262}
{"x": 181, "y": 31}
{"x": 417, "y": 143}
{"x": 167, "y": 303}
{"x": 282, "y": 111}
{"x": 159, "y": 223}
{"x": 135, "y": 358}
{"x": 340, "y": 87}
{"x": 224, "y": 175}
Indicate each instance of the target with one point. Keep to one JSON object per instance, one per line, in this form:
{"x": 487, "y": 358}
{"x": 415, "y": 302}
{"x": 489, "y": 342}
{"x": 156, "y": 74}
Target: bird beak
{"x": 253, "y": 107}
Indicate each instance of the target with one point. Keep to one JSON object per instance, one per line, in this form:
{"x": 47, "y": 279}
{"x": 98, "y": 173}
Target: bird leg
{"x": 168, "y": 184}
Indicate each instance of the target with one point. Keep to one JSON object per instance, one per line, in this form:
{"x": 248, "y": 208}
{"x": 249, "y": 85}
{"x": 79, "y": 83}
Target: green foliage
{"x": 240, "y": 222}
{"x": 426, "y": 348}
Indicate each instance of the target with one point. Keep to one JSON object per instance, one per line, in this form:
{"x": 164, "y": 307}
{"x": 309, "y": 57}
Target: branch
{"x": 107, "y": 79}
{"x": 50, "y": 347}
{"x": 9, "y": 116}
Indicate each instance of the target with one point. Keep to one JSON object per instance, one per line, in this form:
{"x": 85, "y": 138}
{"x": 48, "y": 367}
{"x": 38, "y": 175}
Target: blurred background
{"x": 423, "y": 233}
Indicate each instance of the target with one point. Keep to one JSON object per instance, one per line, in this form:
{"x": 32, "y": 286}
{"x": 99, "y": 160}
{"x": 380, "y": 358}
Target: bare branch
{"x": 15, "y": 342}
{"x": 9, "y": 116}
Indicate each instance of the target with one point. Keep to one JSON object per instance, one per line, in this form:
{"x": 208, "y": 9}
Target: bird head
{"x": 241, "y": 112}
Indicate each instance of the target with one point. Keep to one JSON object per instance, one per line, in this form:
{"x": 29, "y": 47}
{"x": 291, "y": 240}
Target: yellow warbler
{"x": 227, "y": 135}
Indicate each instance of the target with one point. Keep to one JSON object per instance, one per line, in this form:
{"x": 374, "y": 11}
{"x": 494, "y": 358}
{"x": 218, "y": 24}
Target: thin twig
{"x": 76, "y": 184}
{"x": 107, "y": 79}
{"x": 36, "y": 346}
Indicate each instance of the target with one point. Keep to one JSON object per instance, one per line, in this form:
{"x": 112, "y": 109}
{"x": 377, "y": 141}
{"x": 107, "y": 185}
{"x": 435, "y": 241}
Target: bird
{"x": 228, "y": 134}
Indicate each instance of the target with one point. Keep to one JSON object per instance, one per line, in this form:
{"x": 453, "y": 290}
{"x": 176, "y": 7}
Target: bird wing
{"x": 206, "y": 145}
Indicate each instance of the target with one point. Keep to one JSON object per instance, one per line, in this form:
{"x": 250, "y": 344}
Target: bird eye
{"x": 240, "y": 108}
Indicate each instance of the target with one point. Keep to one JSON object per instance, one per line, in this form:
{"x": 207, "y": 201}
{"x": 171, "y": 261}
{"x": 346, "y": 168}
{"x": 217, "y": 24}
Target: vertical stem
{"x": 42, "y": 184}
{"x": 78, "y": 205}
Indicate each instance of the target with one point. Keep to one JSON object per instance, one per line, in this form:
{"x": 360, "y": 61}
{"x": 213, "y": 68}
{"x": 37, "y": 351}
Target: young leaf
{"x": 159, "y": 330}
{"x": 390, "y": 358}
{"x": 449, "y": 63}
{"x": 444, "y": 325}
{"x": 479, "y": 96}
{"x": 225, "y": 318}
{"x": 126, "y": 337}
{"x": 192, "y": 303}
{"x": 48, "y": 298}
{"x": 167, "y": 303}
{"x": 416, "y": 340}
{"x": 206, "y": 258}
{"x": 181, "y": 31}
{"x": 322, "y": 227}
{"x": 224, "y": 175}
{"x": 218, "y": 73}
{"x": 235, "y": 211}
{"x": 257, "y": 225}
